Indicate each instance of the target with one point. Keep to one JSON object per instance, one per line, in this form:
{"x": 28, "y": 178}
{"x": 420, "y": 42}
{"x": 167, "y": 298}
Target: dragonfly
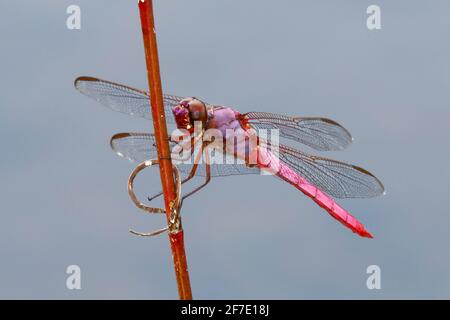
{"x": 320, "y": 178}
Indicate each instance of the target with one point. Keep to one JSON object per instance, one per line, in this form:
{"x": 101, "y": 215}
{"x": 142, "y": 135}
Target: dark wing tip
{"x": 335, "y": 136}
{"x": 332, "y": 122}
{"x": 116, "y": 137}
{"x": 380, "y": 190}
{"x": 77, "y": 81}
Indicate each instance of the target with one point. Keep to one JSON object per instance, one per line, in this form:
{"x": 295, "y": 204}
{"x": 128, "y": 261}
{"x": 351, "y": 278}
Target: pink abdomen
{"x": 267, "y": 161}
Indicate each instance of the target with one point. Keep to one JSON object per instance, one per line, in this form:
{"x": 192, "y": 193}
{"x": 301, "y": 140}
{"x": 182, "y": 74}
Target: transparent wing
{"x": 318, "y": 133}
{"x": 138, "y": 147}
{"x": 135, "y": 147}
{"x": 338, "y": 179}
{"x": 122, "y": 98}
{"x": 228, "y": 166}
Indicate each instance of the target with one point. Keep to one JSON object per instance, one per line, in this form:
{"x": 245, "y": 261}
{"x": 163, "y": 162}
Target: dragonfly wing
{"x": 226, "y": 166}
{"x": 122, "y": 98}
{"x": 338, "y": 179}
{"x": 138, "y": 147}
{"x": 135, "y": 147}
{"x": 321, "y": 134}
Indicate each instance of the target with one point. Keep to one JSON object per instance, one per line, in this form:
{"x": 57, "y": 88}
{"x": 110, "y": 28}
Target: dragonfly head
{"x": 189, "y": 112}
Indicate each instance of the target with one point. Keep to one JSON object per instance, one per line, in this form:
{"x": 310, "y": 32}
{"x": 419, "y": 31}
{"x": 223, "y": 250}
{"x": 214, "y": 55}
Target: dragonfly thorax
{"x": 189, "y": 111}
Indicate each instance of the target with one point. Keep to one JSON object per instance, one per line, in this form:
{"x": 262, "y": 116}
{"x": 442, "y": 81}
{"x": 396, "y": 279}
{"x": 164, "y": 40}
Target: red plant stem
{"x": 162, "y": 144}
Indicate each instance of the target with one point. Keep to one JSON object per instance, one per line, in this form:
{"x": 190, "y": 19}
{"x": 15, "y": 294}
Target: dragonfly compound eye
{"x": 198, "y": 112}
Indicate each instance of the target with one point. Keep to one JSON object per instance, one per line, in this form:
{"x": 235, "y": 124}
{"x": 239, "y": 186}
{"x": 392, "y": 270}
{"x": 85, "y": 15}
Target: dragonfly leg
{"x": 189, "y": 177}
{"x": 207, "y": 179}
{"x": 154, "y": 196}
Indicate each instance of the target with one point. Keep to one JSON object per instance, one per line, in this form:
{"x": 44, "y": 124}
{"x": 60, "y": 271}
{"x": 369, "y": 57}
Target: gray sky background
{"x": 63, "y": 192}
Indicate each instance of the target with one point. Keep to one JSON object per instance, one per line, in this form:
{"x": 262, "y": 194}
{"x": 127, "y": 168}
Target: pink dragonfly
{"x": 317, "y": 177}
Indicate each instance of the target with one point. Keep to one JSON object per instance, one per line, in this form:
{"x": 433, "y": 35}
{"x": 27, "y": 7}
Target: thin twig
{"x": 176, "y": 235}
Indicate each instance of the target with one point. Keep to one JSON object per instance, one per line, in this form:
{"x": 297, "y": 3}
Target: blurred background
{"x": 63, "y": 191}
